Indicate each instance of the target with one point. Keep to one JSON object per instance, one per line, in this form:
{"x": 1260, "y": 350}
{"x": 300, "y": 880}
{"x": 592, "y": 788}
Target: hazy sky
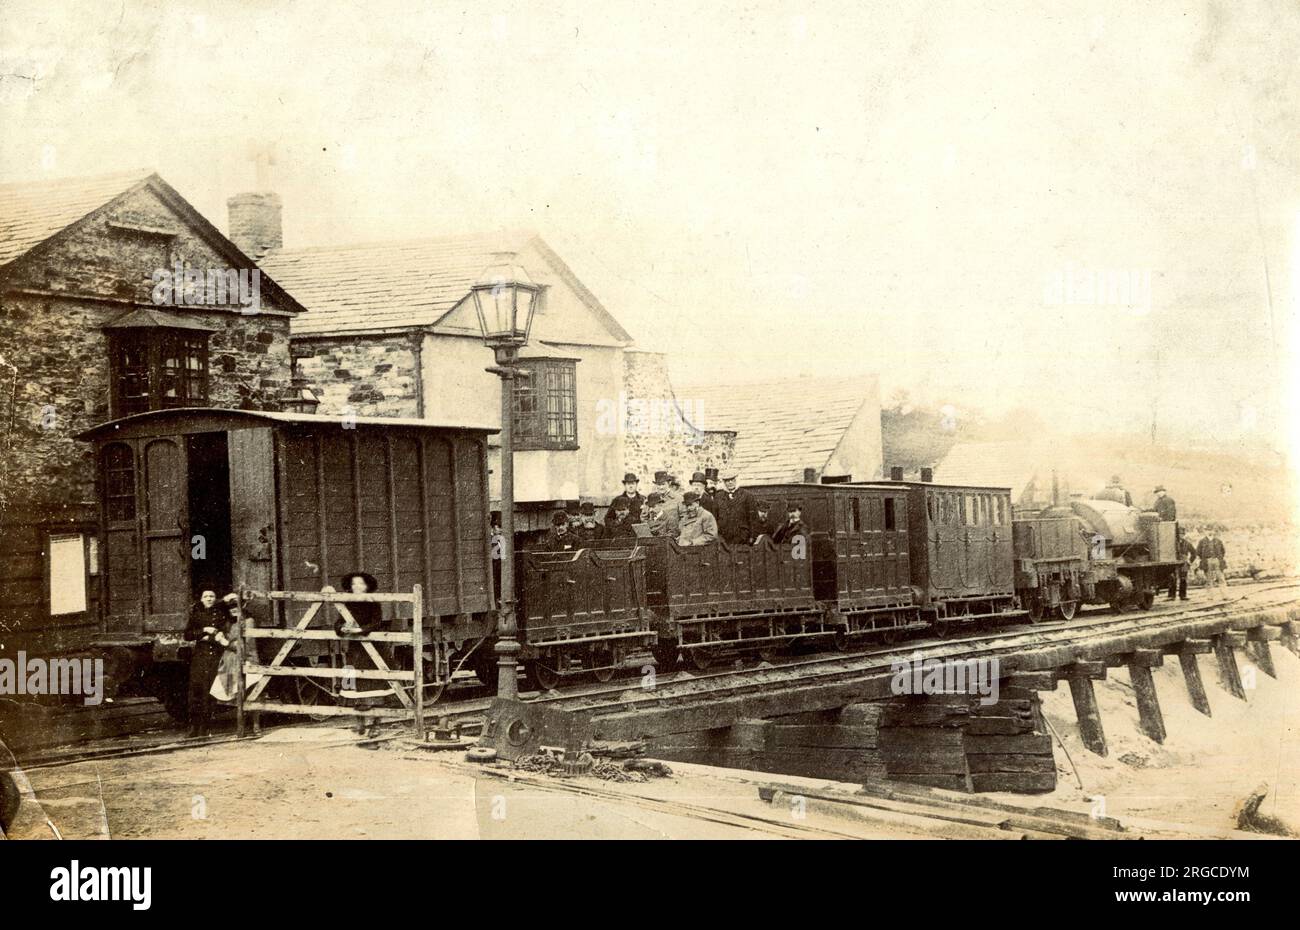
{"x": 763, "y": 190}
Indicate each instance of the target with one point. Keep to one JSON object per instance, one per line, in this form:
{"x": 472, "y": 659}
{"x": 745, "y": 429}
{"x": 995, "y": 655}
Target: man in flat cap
{"x": 631, "y": 496}
{"x": 559, "y": 538}
{"x": 697, "y": 526}
{"x": 735, "y": 510}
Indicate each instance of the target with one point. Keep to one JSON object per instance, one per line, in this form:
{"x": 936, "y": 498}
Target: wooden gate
{"x": 250, "y": 697}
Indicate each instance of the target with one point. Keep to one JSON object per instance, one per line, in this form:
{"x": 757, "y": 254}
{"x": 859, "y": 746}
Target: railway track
{"x": 467, "y": 713}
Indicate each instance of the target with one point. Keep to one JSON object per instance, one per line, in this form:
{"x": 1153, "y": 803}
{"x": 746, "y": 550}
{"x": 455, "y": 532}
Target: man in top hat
{"x": 762, "y": 524}
{"x": 697, "y": 526}
{"x": 711, "y": 480}
{"x": 1114, "y": 491}
{"x": 559, "y": 538}
{"x": 632, "y": 497}
{"x": 700, "y": 485}
{"x": 792, "y": 527}
{"x": 734, "y": 508}
{"x": 1165, "y": 505}
{"x": 588, "y": 528}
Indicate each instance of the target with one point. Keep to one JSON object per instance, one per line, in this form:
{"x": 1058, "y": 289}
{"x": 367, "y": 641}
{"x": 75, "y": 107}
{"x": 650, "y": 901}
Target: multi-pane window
{"x": 119, "y": 483}
{"x": 546, "y": 405}
{"x": 154, "y": 369}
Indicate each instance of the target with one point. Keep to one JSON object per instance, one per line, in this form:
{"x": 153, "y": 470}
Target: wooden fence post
{"x": 417, "y": 660}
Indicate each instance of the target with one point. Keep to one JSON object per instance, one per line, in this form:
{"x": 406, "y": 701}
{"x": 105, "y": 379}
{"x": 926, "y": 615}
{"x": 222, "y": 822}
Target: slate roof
{"x": 783, "y": 426}
{"x": 383, "y": 286}
{"x": 33, "y": 211}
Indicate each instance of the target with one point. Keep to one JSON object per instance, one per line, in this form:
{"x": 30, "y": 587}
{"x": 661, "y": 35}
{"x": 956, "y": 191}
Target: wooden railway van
{"x": 861, "y": 566}
{"x": 228, "y": 499}
{"x": 1053, "y": 571}
{"x": 962, "y": 551}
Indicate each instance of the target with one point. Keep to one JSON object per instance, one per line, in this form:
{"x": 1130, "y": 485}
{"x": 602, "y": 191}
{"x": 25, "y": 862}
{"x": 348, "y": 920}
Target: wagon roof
{"x": 216, "y": 419}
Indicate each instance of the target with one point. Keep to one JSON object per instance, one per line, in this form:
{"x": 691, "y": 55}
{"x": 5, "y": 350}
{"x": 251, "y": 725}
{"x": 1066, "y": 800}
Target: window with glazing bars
{"x": 546, "y": 405}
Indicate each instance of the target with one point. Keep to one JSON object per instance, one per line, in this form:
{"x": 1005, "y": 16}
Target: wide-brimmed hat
{"x": 1159, "y": 488}
{"x": 369, "y": 579}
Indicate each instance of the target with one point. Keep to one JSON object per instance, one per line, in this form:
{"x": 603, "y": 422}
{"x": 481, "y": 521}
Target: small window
{"x": 119, "y": 483}
{"x": 67, "y": 575}
{"x": 930, "y": 505}
{"x": 155, "y": 368}
{"x": 890, "y": 524}
{"x": 546, "y": 405}
{"x": 855, "y": 515}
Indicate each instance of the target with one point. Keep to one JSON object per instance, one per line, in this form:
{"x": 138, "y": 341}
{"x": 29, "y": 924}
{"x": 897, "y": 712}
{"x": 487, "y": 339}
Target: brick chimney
{"x": 255, "y": 223}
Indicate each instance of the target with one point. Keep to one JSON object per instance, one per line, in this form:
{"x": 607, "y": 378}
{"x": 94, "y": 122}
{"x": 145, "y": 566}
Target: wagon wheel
{"x": 840, "y": 639}
{"x": 543, "y": 673}
{"x": 890, "y": 635}
{"x": 309, "y": 693}
{"x": 665, "y": 656}
{"x": 432, "y": 692}
{"x": 1067, "y": 609}
{"x": 768, "y": 653}
{"x": 1118, "y": 606}
{"x": 602, "y": 662}
{"x": 1037, "y": 613}
{"x": 700, "y": 658}
{"x": 1145, "y": 600}
{"x": 942, "y": 628}
{"x": 486, "y": 667}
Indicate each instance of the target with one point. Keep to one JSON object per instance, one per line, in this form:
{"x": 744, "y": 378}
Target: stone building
{"x": 393, "y": 332}
{"x": 116, "y": 297}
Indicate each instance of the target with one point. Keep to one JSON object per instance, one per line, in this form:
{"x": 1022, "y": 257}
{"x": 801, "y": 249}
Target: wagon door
{"x": 164, "y": 533}
{"x": 123, "y": 576}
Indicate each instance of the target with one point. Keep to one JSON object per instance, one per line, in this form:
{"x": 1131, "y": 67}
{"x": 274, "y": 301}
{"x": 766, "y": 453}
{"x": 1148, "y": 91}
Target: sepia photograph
{"x": 551, "y": 421}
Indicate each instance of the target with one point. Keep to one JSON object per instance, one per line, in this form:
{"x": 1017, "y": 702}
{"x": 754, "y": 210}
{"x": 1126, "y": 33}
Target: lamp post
{"x": 505, "y": 298}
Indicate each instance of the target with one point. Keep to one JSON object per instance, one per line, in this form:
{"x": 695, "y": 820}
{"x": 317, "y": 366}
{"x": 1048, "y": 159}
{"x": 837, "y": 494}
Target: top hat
{"x": 661, "y": 477}
{"x": 710, "y": 474}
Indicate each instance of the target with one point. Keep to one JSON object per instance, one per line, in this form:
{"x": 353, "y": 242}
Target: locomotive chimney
{"x": 927, "y": 474}
{"x": 255, "y": 223}
{"x": 810, "y": 476}
{"x": 896, "y": 473}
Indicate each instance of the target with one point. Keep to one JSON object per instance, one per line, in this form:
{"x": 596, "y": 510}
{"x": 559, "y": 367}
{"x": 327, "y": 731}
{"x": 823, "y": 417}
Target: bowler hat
{"x": 587, "y": 508}
{"x": 559, "y": 518}
{"x": 690, "y": 497}
{"x": 655, "y": 499}
{"x": 699, "y": 478}
{"x": 630, "y": 477}
{"x": 661, "y": 477}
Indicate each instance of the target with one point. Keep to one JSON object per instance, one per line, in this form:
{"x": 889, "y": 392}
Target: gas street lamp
{"x": 505, "y": 298}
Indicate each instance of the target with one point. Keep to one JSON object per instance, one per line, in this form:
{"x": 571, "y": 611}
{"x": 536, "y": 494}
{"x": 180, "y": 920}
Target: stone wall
{"x": 657, "y": 435}
{"x": 54, "y": 303}
{"x": 370, "y": 376}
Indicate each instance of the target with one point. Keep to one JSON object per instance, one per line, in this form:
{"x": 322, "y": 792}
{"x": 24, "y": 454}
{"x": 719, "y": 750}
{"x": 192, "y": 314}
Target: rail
{"x": 249, "y": 697}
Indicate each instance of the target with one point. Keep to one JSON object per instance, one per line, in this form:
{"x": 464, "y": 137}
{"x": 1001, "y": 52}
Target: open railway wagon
{"x": 264, "y": 501}
{"x": 582, "y": 613}
{"x": 1092, "y": 552}
{"x": 961, "y": 553}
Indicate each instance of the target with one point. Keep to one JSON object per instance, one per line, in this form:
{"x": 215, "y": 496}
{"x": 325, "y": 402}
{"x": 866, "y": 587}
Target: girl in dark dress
{"x": 206, "y": 629}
